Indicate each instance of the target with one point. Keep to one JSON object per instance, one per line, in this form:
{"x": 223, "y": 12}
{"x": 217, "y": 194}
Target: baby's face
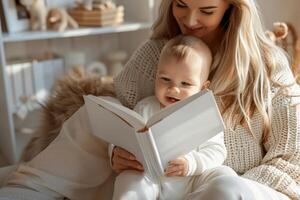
{"x": 177, "y": 80}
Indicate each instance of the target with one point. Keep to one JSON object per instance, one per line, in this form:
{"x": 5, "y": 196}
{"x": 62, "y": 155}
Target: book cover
{"x": 168, "y": 134}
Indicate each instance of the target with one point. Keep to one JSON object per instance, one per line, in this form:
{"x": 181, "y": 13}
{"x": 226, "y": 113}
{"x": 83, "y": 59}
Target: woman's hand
{"x": 124, "y": 160}
{"x": 177, "y": 167}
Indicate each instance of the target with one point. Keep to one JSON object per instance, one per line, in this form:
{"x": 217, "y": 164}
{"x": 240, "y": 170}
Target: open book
{"x": 168, "y": 134}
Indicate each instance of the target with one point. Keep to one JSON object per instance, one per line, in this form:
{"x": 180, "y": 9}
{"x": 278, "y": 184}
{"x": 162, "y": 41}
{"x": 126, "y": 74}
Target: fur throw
{"x": 65, "y": 99}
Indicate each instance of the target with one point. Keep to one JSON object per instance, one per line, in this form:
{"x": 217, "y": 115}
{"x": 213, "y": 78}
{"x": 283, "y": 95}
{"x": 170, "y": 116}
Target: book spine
{"x": 151, "y": 168}
{"x": 159, "y": 167}
{"x": 143, "y": 147}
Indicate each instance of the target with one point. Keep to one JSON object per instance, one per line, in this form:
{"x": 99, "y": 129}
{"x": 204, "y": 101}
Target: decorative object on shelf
{"x": 38, "y": 13}
{"x": 74, "y": 59}
{"x": 15, "y": 20}
{"x": 116, "y": 60}
{"x": 286, "y": 36}
{"x": 59, "y": 20}
{"x": 87, "y": 4}
{"x": 279, "y": 32}
{"x": 30, "y": 82}
{"x": 29, "y": 103}
{"x": 295, "y": 52}
{"x": 97, "y": 68}
{"x": 102, "y": 14}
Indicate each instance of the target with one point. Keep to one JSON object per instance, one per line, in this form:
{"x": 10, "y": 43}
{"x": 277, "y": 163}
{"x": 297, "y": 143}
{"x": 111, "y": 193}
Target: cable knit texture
{"x": 276, "y": 163}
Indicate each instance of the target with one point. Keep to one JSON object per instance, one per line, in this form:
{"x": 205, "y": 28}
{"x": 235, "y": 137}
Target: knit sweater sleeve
{"x": 136, "y": 81}
{"x": 280, "y": 167}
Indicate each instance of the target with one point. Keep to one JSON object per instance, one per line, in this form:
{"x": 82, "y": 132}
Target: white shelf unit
{"x": 139, "y": 16}
{"x": 30, "y": 35}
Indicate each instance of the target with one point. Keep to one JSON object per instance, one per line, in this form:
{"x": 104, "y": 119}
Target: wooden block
{"x": 94, "y": 13}
{"x": 101, "y": 23}
{"x": 98, "y": 17}
{"x": 102, "y": 17}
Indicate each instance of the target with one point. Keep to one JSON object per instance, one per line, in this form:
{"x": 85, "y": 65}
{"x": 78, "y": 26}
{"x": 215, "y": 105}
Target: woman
{"x": 254, "y": 87}
{"x": 255, "y": 90}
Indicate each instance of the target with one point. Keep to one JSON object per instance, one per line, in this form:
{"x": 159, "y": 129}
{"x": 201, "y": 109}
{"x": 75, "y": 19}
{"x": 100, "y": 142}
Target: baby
{"x": 183, "y": 70}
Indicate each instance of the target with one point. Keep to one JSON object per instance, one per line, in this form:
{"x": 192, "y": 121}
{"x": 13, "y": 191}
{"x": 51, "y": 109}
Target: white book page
{"x": 112, "y": 129}
{"x": 187, "y": 128}
{"x": 128, "y": 115}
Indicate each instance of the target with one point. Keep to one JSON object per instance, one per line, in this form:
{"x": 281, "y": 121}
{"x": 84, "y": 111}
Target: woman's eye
{"x": 186, "y": 84}
{"x": 180, "y": 5}
{"x": 207, "y": 12}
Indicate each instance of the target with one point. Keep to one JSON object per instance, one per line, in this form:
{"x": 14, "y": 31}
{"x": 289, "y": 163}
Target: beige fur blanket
{"x": 65, "y": 99}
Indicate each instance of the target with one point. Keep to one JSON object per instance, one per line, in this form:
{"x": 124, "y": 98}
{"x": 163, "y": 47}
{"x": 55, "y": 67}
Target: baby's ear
{"x": 205, "y": 85}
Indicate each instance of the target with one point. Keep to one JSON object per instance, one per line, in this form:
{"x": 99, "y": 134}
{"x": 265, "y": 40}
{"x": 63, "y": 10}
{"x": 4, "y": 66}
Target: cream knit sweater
{"x": 276, "y": 164}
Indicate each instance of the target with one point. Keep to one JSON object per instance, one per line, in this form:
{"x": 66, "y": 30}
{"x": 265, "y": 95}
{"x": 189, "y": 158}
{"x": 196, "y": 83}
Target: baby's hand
{"x": 177, "y": 167}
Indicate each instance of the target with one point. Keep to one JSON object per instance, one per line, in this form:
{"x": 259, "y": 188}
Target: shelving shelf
{"x": 30, "y": 35}
{"x": 94, "y": 41}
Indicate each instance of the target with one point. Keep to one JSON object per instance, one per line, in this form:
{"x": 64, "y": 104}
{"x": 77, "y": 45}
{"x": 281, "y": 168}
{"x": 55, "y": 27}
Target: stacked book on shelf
{"x": 30, "y": 82}
{"x": 101, "y": 14}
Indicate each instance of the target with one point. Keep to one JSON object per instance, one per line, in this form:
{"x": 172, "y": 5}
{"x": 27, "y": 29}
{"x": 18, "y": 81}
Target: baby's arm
{"x": 209, "y": 155}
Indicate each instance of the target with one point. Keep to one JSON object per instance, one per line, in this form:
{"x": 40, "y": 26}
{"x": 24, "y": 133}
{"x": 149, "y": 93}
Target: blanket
{"x": 65, "y": 98}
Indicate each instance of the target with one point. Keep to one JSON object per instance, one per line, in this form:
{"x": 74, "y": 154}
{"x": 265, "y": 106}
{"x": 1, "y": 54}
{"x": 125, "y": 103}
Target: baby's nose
{"x": 173, "y": 90}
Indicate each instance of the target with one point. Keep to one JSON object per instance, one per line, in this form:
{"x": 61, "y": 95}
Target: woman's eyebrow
{"x": 208, "y": 7}
{"x": 203, "y": 8}
{"x": 180, "y": 1}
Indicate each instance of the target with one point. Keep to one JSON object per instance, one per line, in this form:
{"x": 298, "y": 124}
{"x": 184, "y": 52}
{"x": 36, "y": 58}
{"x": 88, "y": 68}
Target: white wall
{"x": 280, "y": 10}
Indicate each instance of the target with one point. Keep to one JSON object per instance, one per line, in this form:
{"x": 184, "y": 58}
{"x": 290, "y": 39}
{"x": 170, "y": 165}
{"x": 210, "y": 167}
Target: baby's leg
{"x": 208, "y": 175}
{"x": 134, "y": 185}
{"x": 224, "y": 184}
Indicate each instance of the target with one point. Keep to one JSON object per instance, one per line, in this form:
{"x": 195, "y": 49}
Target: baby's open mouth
{"x": 172, "y": 99}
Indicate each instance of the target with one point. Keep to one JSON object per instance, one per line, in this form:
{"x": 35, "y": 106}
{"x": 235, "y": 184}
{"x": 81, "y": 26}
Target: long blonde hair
{"x": 242, "y": 67}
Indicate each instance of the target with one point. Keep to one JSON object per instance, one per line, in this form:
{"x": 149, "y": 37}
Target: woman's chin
{"x": 198, "y": 34}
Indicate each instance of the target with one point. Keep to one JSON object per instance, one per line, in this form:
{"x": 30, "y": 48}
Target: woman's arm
{"x": 123, "y": 160}
{"x": 136, "y": 81}
{"x": 280, "y": 168}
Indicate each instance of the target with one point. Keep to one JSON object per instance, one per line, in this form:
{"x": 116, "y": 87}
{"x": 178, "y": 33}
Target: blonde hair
{"x": 184, "y": 47}
{"x": 242, "y": 66}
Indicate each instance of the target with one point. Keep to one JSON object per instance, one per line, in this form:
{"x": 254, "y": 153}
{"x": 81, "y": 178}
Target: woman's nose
{"x": 191, "y": 19}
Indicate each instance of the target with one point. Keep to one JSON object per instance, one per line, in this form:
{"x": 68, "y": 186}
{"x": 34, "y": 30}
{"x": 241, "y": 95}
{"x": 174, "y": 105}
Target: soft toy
{"x": 296, "y": 61}
{"x": 58, "y": 19}
{"x": 284, "y": 35}
{"x": 38, "y": 13}
{"x": 279, "y": 32}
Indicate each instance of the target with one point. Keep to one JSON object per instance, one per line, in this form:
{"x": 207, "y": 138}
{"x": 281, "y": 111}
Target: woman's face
{"x": 200, "y": 18}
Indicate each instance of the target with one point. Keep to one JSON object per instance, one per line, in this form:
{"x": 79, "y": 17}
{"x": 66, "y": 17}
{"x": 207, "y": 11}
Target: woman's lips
{"x": 192, "y": 30}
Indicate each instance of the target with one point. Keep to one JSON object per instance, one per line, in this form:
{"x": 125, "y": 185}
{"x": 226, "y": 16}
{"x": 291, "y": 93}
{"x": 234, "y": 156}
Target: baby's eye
{"x": 165, "y": 79}
{"x": 186, "y": 84}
